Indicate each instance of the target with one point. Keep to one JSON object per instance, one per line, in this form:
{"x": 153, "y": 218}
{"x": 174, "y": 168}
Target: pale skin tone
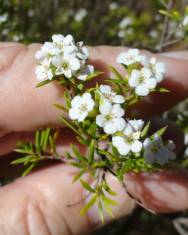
{"x": 37, "y": 204}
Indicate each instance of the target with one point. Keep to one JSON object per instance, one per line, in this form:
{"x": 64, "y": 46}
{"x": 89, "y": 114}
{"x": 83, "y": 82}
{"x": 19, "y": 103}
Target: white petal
{"x": 68, "y": 39}
{"x": 74, "y": 64}
{"x": 160, "y": 67}
{"x": 136, "y": 146}
{"x": 57, "y": 38}
{"x": 72, "y": 114}
{"x": 142, "y": 90}
{"x": 121, "y": 58}
{"x": 151, "y": 83}
{"x": 122, "y": 147}
{"x": 90, "y": 105}
{"x": 118, "y": 99}
{"x": 82, "y": 116}
{"x": 136, "y": 124}
{"x": 120, "y": 124}
{"x": 105, "y": 89}
{"x": 76, "y": 102}
{"x": 105, "y": 108}
{"x": 110, "y": 128}
{"x": 117, "y": 110}
{"x": 146, "y": 72}
{"x": 128, "y": 130}
{"x": 134, "y": 78}
{"x": 86, "y": 97}
{"x": 149, "y": 157}
{"x": 100, "y": 120}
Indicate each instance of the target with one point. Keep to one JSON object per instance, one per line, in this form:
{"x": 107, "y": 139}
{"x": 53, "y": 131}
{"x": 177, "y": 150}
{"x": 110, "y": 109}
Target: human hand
{"x": 37, "y": 204}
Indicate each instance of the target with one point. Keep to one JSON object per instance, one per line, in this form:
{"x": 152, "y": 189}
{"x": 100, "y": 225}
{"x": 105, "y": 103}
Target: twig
{"x": 136, "y": 199}
{"x": 165, "y": 26}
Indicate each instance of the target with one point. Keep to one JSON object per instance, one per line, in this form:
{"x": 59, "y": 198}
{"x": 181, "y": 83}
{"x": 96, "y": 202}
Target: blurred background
{"x": 156, "y": 25}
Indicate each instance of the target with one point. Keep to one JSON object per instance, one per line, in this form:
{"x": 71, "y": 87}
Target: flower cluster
{"x": 62, "y": 57}
{"x": 109, "y": 109}
{"x": 145, "y": 73}
{"x": 97, "y": 115}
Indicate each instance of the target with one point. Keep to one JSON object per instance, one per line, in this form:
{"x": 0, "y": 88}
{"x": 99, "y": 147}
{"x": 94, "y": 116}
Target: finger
{"x": 175, "y": 80}
{"x": 38, "y": 204}
{"x": 24, "y": 107}
{"x": 165, "y": 191}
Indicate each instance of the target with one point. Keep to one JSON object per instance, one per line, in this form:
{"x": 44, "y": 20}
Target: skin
{"x": 38, "y": 203}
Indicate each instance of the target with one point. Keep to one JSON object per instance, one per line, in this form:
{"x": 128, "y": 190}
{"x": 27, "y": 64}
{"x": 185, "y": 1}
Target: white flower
{"x": 82, "y": 52}
{"x": 110, "y": 118}
{"x": 3, "y": 18}
{"x": 66, "y": 65}
{"x": 125, "y": 22}
{"x": 85, "y": 72}
{"x": 156, "y": 151}
{"x": 108, "y": 95}
{"x": 185, "y": 21}
{"x": 80, "y": 15}
{"x": 113, "y": 6}
{"x": 81, "y": 106}
{"x": 142, "y": 81}
{"x": 65, "y": 56}
{"x": 158, "y": 69}
{"x": 64, "y": 43}
{"x": 132, "y": 56}
{"x": 43, "y": 72}
{"x": 130, "y": 139}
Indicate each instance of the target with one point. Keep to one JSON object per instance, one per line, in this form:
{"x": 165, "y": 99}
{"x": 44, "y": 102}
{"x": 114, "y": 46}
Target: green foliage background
{"x": 100, "y": 23}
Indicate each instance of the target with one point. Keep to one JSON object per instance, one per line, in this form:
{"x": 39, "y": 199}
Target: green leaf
{"x": 45, "y": 138}
{"x": 37, "y": 142}
{"x": 87, "y": 186}
{"x": 78, "y": 176}
{"x": 145, "y": 130}
{"x": 161, "y": 131}
{"x": 69, "y": 124}
{"x": 43, "y": 83}
{"x": 163, "y": 90}
{"x": 29, "y": 169}
{"x": 165, "y": 13}
{"x": 100, "y": 210}
{"x": 79, "y": 156}
{"x": 60, "y": 106}
{"x": 108, "y": 201}
{"x": 20, "y": 160}
{"x": 92, "y": 129}
{"x": 93, "y": 75}
{"x": 116, "y": 73}
{"x": 91, "y": 152}
{"x": 89, "y": 205}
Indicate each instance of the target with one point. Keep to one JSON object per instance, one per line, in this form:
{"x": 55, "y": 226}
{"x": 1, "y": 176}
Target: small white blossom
{"x": 132, "y": 56}
{"x": 125, "y": 22}
{"x": 129, "y": 142}
{"x": 81, "y": 106}
{"x": 185, "y": 21}
{"x": 3, "y": 18}
{"x": 156, "y": 151}
{"x": 107, "y": 94}
{"x": 158, "y": 69}
{"x": 43, "y": 72}
{"x": 111, "y": 118}
{"x": 85, "y": 72}
{"x": 142, "y": 81}
{"x": 113, "y": 6}
{"x": 65, "y": 57}
{"x": 80, "y": 15}
{"x": 66, "y": 65}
